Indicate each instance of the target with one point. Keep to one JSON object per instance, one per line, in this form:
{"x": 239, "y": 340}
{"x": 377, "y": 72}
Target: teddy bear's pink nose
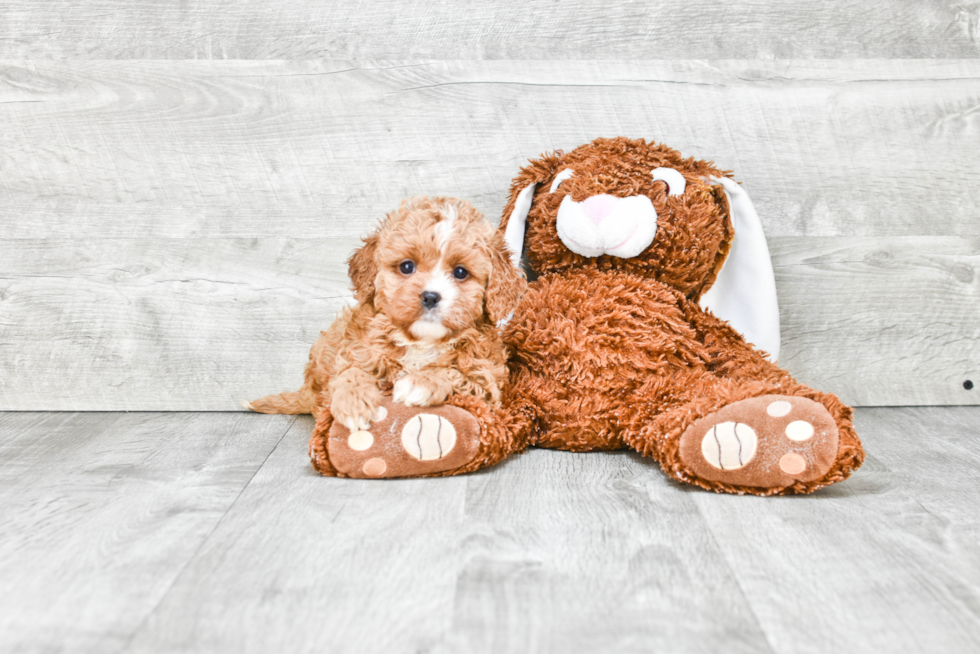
{"x": 598, "y": 207}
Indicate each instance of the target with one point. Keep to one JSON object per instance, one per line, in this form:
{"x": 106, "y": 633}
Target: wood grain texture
{"x": 323, "y": 149}
{"x": 174, "y": 232}
{"x": 595, "y": 553}
{"x": 312, "y": 564}
{"x": 935, "y": 463}
{"x": 550, "y": 552}
{"x": 538, "y": 29}
{"x": 153, "y": 533}
{"x": 887, "y": 560}
{"x": 102, "y": 512}
{"x": 181, "y": 324}
{"x": 162, "y": 324}
{"x": 881, "y": 321}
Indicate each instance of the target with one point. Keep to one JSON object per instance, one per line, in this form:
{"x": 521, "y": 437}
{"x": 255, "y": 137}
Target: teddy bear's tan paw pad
{"x": 406, "y": 442}
{"x": 770, "y": 441}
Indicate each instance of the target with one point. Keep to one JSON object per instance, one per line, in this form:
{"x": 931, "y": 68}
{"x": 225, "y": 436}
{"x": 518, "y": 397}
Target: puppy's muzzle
{"x": 430, "y": 299}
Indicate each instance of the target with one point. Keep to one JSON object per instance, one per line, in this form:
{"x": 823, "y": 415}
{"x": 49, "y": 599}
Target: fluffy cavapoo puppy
{"x": 431, "y": 284}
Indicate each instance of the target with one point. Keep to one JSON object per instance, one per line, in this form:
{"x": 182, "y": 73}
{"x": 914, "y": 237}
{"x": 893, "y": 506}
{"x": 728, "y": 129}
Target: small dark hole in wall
{"x": 968, "y": 385}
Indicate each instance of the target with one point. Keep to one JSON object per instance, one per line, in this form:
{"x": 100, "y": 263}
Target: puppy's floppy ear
{"x": 362, "y": 269}
{"x": 507, "y": 282}
{"x": 514, "y": 221}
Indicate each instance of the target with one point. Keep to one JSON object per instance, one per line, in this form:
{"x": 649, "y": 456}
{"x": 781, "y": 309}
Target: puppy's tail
{"x": 301, "y": 401}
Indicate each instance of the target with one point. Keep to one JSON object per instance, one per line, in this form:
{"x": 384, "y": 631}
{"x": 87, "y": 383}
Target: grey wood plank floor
{"x": 154, "y": 532}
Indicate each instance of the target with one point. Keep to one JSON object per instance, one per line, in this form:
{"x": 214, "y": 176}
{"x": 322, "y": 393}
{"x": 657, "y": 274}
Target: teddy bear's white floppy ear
{"x": 744, "y": 294}
{"x": 514, "y": 234}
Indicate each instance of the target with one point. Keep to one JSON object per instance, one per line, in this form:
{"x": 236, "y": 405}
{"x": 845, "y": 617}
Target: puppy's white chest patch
{"x": 419, "y": 356}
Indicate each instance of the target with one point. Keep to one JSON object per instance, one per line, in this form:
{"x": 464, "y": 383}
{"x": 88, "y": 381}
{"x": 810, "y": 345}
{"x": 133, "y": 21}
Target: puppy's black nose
{"x": 430, "y": 299}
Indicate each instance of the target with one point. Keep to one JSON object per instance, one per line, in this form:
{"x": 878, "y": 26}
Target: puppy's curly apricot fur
{"x": 431, "y": 285}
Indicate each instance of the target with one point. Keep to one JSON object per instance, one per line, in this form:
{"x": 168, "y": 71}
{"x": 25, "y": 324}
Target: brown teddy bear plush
{"x": 621, "y": 342}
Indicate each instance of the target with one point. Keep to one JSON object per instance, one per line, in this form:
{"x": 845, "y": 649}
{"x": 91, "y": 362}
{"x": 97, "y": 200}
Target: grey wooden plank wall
{"x": 532, "y": 29}
{"x": 173, "y": 232}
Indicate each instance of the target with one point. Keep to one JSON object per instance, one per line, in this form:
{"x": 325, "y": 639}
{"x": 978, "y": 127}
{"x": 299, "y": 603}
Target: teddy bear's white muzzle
{"x": 606, "y": 224}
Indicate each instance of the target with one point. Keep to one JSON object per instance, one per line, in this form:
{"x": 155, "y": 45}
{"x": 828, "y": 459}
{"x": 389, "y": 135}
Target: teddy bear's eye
{"x": 561, "y": 177}
{"x": 674, "y": 180}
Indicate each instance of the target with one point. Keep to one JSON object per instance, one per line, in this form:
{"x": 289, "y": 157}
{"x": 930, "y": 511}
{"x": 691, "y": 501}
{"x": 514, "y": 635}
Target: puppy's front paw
{"x": 413, "y": 391}
{"x": 355, "y": 408}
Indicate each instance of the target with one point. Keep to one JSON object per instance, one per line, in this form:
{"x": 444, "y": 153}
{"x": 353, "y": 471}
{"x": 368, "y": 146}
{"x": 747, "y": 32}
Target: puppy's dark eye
{"x": 407, "y": 267}
{"x": 460, "y": 273}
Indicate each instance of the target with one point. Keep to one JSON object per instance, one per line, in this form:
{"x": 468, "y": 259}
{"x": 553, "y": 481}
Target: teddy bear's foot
{"x": 771, "y": 441}
{"x": 405, "y": 442}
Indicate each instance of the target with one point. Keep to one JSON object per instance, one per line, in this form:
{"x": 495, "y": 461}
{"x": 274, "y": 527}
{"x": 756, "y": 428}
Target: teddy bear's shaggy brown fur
{"x": 613, "y": 352}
